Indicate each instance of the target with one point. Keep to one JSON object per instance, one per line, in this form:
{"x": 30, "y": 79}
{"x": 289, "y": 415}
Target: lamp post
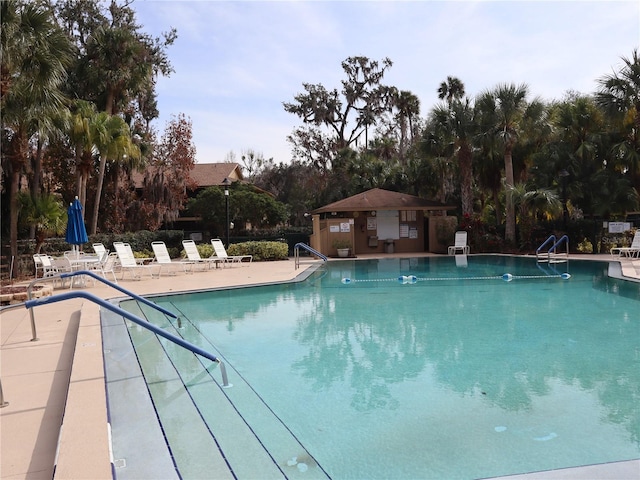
{"x": 226, "y": 182}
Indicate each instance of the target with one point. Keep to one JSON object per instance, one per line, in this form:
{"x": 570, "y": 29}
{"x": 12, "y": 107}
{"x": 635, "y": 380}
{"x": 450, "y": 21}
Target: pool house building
{"x": 380, "y": 221}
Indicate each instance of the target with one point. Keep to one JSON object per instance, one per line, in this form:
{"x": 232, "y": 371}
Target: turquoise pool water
{"x": 401, "y": 368}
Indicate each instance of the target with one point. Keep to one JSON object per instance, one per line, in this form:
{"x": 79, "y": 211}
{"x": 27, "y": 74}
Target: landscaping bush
{"x": 204, "y": 249}
{"x": 261, "y": 251}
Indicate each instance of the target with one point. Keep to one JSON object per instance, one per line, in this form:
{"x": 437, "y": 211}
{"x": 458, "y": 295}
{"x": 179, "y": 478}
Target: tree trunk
{"x": 36, "y": 181}
{"x": 13, "y": 203}
{"x": 16, "y": 152}
{"x": 108, "y": 106}
{"x": 497, "y": 206}
{"x": 510, "y": 228}
{"x": 466, "y": 193}
{"x": 78, "y": 179}
{"x": 96, "y": 203}
{"x": 403, "y": 140}
{"x": 83, "y": 171}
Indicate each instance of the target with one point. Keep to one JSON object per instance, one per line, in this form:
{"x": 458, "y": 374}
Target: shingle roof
{"x": 210, "y": 174}
{"x": 379, "y": 199}
{"x": 204, "y": 174}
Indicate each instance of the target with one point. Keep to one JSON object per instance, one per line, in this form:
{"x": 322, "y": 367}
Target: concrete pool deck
{"x": 55, "y": 423}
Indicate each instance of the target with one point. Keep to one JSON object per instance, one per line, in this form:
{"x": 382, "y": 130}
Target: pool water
{"x": 400, "y": 368}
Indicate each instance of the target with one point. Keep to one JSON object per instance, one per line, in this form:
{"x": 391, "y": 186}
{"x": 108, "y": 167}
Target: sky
{"x": 236, "y": 62}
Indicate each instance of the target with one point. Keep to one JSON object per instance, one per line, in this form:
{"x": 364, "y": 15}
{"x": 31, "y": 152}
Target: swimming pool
{"x": 391, "y": 368}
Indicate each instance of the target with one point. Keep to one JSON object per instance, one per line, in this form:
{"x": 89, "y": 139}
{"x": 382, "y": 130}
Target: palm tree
{"x": 533, "y": 205}
{"x": 619, "y": 96}
{"x": 119, "y": 54}
{"x": 107, "y": 137}
{"x": 456, "y": 126}
{"x": 408, "y": 106}
{"x": 112, "y": 139}
{"x": 451, "y": 89}
{"x": 501, "y": 111}
{"x": 45, "y": 213}
{"x": 577, "y": 149}
{"x": 81, "y": 137}
{"x": 35, "y": 53}
{"x": 437, "y": 147}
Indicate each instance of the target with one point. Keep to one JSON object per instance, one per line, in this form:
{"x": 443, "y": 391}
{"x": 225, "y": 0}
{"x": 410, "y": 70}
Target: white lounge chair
{"x": 460, "y": 244}
{"x": 221, "y": 253}
{"x": 631, "y": 251}
{"x": 461, "y": 260}
{"x": 193, "y": 255}
{"x": 129, "y": 264}
{"x": 163, "y": 259}
{"x": 101, "y": 251}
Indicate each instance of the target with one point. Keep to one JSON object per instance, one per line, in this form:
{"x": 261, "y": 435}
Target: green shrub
{"x": 261, "y": 251}
{"x": 585, "y": 246}
{"x": 144, "y": 253}
{"x": 204, "y": 249}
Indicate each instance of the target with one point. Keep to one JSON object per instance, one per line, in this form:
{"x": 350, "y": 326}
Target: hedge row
{"x": 261, "y": 251}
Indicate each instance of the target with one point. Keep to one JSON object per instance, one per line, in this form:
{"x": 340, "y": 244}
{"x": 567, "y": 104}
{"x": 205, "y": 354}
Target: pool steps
{"x": 237, "y": 424}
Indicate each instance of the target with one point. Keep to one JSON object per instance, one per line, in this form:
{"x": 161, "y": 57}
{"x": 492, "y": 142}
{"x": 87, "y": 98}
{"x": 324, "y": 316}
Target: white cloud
{"x": 236, "y": 62}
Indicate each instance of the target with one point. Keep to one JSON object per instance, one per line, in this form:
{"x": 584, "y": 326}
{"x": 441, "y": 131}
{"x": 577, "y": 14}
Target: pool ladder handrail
{"x": 551, "y": 255}
{"x": 313, "y": 251}
{"x": 30, "y": 303}
{"x": 62, "y": 276}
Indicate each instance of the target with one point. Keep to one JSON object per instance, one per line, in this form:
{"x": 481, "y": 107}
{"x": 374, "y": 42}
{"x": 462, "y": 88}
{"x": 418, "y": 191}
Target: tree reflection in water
{"x": 506, "y": 344}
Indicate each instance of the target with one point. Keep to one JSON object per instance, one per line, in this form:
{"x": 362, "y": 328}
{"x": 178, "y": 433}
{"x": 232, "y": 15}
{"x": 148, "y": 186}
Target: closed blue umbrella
{"x": 76, "y": 231}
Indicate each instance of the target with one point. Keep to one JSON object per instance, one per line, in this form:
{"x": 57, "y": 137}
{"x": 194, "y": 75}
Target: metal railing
{"x": 312, "y": 251}
{"x": 551, "y": 255}
{"x": 31, "y": 303}
{"x": 95, "y": 276}
{"x": 129, "y": 316}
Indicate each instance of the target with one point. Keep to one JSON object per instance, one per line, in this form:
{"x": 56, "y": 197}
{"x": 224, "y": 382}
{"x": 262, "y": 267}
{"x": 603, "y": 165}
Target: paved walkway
{"x": 59, "y": 379}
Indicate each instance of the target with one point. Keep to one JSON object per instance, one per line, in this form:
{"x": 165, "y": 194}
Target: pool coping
{"x": 82, "y": 449}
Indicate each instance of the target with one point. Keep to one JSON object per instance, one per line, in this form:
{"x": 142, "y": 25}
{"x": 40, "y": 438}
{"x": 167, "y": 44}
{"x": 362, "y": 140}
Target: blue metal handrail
{"x": 551, "y": 254}
{"x": 552, "y": 238}
{"x": 120, "y": 289}
{"x": 313, "y": 251}
{"x": 97, "y": 277}
{"x": 130, "y": 316}
{"x": 563, "y": 238}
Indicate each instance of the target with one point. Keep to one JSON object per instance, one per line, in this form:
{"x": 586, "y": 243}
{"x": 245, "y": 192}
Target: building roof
{"x": 204, "y": 174}
{"x": 379, "y": 199}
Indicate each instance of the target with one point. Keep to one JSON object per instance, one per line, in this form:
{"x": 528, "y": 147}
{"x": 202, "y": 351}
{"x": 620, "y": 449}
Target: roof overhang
{"x": 379, "y": 199}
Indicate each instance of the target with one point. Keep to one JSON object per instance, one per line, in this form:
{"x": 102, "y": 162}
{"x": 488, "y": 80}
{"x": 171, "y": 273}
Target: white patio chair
{"x": 221, "y": 253}
{"x": 51, "y": 267}
{"x": 38, "y": 263}
{"x": 109, "y": 266}
{"x": 460, "y": 244}
{"x": 631, "y": 251}
{"x": 129, "y": 264}
{"x": 191, "y": 249}
{"x": 163, "y": 259}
